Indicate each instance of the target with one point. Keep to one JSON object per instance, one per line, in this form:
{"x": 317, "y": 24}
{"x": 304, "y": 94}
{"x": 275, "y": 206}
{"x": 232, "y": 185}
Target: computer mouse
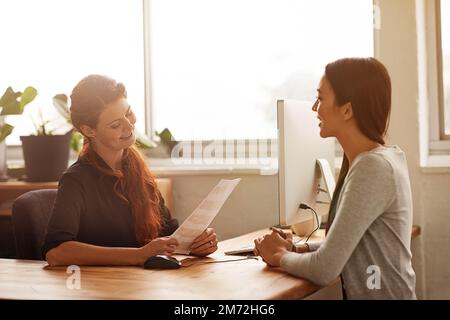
{"x": 162, "y": 262}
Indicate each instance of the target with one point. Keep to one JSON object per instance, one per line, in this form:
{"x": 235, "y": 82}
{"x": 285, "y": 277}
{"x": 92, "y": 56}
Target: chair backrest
{"x": 30, "y": 216}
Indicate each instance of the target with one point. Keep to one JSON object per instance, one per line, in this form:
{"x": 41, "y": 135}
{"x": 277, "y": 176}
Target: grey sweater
{"x": 369, "y": 240}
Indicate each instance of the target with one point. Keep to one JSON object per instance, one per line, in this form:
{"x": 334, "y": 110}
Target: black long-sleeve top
{"x": 88, "y": 210}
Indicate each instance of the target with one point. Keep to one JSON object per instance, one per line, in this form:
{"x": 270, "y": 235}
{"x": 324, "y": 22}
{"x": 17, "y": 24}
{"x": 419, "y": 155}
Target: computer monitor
{"x": 299, "y": 148}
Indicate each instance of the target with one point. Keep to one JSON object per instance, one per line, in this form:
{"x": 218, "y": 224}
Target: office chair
{"x": 30, "y": 216}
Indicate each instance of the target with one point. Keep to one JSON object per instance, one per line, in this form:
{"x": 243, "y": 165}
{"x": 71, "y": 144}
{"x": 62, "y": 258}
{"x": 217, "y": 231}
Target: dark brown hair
{"x": 135, "y": 183}
{"x": 365, "y": 83}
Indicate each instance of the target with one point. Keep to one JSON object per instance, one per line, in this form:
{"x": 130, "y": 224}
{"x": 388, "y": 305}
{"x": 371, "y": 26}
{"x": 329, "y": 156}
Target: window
{"x": 445, "y": 65}
{"x": 218, "y": 67}
{"x": 51, "y": 45}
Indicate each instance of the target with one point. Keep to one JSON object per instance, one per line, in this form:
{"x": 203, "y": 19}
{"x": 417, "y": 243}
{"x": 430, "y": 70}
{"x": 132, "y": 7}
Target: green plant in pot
{"x": 11, "y": 103}
{"x": 163, "y": 147}
{"x": 46, "y": 154}
{"x": 166, "y": 138}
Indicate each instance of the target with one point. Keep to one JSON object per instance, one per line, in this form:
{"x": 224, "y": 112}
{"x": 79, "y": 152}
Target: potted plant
{"x": 46, "y": 154}
{"x": 11, "y": 103}
{"x": 167, "y": 139}
{"x": 163, "y": 148}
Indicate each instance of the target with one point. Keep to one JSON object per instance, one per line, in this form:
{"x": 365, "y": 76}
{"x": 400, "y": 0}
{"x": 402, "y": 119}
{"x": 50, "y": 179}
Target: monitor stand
{"x": 327, "y": 177}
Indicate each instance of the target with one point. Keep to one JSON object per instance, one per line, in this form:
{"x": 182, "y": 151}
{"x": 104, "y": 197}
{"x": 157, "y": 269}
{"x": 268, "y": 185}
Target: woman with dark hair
{"x": 108, "y": 210}
{"x": 370, "y": 217}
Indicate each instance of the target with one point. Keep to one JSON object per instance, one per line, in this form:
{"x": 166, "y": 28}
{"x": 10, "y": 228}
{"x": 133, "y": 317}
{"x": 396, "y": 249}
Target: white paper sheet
{"x": 203, "y": 215}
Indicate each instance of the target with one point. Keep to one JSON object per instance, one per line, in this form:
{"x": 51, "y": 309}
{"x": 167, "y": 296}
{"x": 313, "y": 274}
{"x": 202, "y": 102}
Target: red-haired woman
{"x": 108, "y": 210}
{"x": 370, "y": 217}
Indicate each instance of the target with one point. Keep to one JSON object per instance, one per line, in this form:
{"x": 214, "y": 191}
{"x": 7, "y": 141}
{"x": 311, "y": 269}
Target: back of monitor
{"x": 299, "y": 146}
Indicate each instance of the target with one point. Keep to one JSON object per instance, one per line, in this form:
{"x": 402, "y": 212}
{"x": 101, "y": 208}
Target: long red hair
{"x": 135, "y": 183}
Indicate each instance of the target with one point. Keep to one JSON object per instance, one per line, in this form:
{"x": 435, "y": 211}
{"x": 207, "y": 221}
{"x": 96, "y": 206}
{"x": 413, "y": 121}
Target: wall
{"x": 398, "y": 45}
{"x": 253, "y": 205}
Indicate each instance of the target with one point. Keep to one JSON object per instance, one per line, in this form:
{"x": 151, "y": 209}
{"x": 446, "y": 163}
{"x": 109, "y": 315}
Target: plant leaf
{"x": 76, "y": 141}
{"x": 61, "y": 104}
{"x": 5, "y": 131}
{"x": 9, "y": 102}
{"x": 27, "y": 96}
{"x": 165, "y": 136}
{"x": 144, "y": 142}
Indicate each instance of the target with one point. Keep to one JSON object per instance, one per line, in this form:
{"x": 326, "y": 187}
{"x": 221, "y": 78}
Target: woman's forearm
{"x": 78, "y": 253}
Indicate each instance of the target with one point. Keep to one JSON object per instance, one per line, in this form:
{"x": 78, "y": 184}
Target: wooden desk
{"x": 233, "y": 280}
{"x": 247, "y": 279}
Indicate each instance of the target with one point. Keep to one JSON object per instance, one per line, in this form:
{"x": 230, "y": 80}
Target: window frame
{"x": 439, "y": 141}
{"x": 14, "y": 155}
{"x": 149, "y": 125}
{"x": 147, "y": 72}
{"x": 440, "y": 62}
{"x": 15, "y": 151}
